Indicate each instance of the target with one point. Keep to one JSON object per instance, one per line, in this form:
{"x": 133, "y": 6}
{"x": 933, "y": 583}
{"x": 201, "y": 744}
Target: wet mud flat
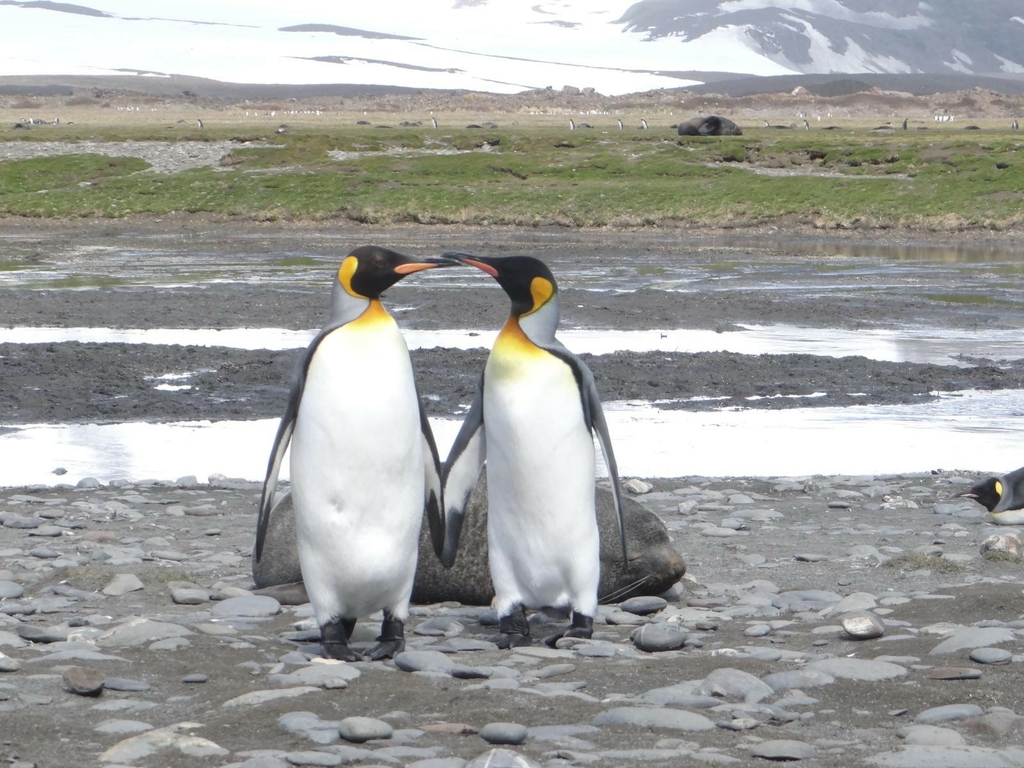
{"x": 146, "y": 584}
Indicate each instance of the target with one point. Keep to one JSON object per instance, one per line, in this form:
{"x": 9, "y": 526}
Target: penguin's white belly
{"x": 542, "y": 529}
{"x": 357, "y": 474}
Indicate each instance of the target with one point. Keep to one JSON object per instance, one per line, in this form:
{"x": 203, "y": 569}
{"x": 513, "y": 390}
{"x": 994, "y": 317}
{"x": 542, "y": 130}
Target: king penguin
{"x": 532, "y": 420}
{"x": 1003, "y": 497}
{"x": 364, "y": 465}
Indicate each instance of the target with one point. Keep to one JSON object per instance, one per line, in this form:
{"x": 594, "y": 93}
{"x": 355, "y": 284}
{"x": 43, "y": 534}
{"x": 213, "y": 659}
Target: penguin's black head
{"x": 527, "y": 281}
{"x": 370, "y": 270}
{"x": 987, "y": 492}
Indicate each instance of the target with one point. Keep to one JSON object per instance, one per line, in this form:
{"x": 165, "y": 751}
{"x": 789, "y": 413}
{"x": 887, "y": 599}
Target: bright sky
{"x": 501, "y": 46}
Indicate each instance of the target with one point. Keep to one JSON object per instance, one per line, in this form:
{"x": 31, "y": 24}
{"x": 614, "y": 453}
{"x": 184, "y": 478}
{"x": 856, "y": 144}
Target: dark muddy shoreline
{"x": 99, "y": 383}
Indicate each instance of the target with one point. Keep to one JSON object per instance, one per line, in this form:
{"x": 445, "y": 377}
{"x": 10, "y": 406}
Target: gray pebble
{"x": 196, "y": 677}
{"x": 122, "y": 584}
{"x": 930, "y": 736}
{"x": 649, "y": 717}
{"x": 83, "y": 681}
{"x": 7, "y": 664}
{"x": 730, "y": 683}
{"x": 863, "y": 626}
{"x": 189, "y": 596}
{"x": 783, "y": 749}
{"x": 123, "y": 684}
{"x": 973, "y": 637}
{"x": 991, "y": 655}
{"x": 643, "y": 606}
{"x": 313, "y": 758}
{"x": 122, "y": 727}
{"x": 309, "y": 726}
{"x": 10, "y": 590}
{"x": 503, "y": 733}
{"x": 360, "y": 729}
{"x": 423, "y": 661}
{"x": 947, "y": 713}
{"x": 248, "y": 606}
{"x": 857, "y": 669}
{"x": 658, "y": 637}
{"x": 797, "y": 678}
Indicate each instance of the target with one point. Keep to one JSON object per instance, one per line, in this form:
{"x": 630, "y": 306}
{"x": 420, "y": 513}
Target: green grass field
{"x": 535, "y": 174}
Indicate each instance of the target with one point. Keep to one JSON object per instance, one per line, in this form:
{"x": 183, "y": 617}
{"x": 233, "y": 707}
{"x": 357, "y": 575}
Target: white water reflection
{"x": 977, "y": 431}
{"x": 915, "y": 345}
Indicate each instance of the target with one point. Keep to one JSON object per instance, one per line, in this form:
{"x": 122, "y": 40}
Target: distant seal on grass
{"x": 654, "y": 565}
{"x": 711, "y": 125}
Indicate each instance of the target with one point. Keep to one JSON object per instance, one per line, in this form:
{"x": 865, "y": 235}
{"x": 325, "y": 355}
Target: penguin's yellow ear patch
{"x": 999, "y": 489}
{"x": 541, "y": 290}
{"x": 346, "y": 271}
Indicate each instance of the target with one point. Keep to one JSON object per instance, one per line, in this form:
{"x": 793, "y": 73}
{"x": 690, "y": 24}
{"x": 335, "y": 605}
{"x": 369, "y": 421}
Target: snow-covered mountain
{"x": 816, "y": 36}
{"x": 506, "y": 46}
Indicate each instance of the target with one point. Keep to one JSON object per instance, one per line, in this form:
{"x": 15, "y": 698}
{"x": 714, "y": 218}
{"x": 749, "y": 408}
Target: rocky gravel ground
{"x": 838, "y": 621}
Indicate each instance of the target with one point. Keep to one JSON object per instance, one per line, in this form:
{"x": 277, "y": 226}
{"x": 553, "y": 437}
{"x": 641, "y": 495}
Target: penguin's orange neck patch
{"x": 373, "y": 314}
{"x": 512, "y": 341}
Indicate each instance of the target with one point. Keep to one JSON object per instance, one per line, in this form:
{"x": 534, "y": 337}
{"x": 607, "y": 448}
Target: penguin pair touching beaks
{"x": 1003, "y": 497}
{"x": 364, "y": 465}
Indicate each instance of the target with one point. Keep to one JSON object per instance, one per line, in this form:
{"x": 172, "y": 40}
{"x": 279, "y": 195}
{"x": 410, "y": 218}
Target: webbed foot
{"x": 334, "y": 637}
{"x": 582, "y": 627}
{"x": 391, "y": 641}
{"x": 515, "y": 629}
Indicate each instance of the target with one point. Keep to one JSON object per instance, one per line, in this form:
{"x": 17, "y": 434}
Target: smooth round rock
{"x": 658, "y": 637}
{"x": 947, "y": 713}
{"x": 783, "y": 749}
{"x": 503, "y": 733}
{"x": 360, "y": 729}
{"x": 11, "y": 590}
{"x": 7, "y": 664}
{"x": 83, "y": 681}
{"x": 190, "y": 596}
{"x": 991, "y": 655}
{"x": 196, "y": 677}
{"x": 650, "y": 717}
{"x": 424, "y": 661}
{"x": 248, "y": 606}
{"x": 863, "y": 626}
{"x": 643, "y": 605}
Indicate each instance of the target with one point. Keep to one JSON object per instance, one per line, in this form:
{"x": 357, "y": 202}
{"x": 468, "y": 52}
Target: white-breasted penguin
{"x": 1003, "y": 497}
{"x": 532, "y": 420}
{"x": 364, "y": 465}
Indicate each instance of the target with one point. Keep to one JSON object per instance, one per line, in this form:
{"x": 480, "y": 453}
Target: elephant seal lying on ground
{"x": 711, "y": 125}
{"x": 654, "y": 565}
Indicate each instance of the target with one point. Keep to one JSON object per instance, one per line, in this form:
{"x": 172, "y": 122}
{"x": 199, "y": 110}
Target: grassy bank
{"x": 528, "y": 174}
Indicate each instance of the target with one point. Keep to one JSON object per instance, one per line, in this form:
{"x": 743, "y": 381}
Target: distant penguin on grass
{"x": 1003, "y": 497}
{"x": 364, "y": 465}
{"x": 533, "y": 421}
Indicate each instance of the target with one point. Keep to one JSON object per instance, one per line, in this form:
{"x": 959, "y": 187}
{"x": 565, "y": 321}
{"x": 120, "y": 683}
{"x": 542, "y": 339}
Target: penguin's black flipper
{"x": 460, "y": 473}
{"x": 281, "y": 441}
{"x": 597, "y": 424}
{"x": 593, "y": 417}
{"x": 283, "y": 438}
{"x": 433, "y": 498}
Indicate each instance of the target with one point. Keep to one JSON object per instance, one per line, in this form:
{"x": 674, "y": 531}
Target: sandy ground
{"x": 775, "y": 564}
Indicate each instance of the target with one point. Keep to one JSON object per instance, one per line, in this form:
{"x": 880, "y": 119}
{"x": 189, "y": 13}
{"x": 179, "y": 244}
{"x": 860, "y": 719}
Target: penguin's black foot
{"x": 391, "y": 641}
{"x": 582, "y": 627}
{"x": 387, "y": 650}
{"x": 513, "y": 640}
{"x": 334, "y": 637}
{"x": 340, "y": 651}
{"x": 515, "y": 629}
